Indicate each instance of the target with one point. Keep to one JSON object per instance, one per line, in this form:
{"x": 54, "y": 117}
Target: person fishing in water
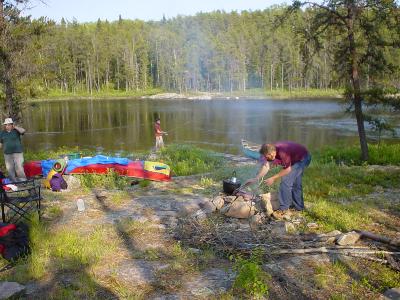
{"x": 159, "y": 134}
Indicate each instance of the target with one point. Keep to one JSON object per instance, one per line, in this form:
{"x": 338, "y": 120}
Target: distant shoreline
{"x": 275, "y": 95}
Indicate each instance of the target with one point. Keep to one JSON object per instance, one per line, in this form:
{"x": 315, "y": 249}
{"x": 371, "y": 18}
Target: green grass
{"x": 119, "y": 197}
{"x": 334, "y": 194}
{"x": 189, "y": 160}
{"x": 111, "y": 180}
{"x": 354, "y": 278}
{"x": 54, "y": 212}
{"x": 251, "y": 280}
{"x": 108, "y": 93}
{"x": 331, "y": 274}
{"x": 380, "y": 277}
{"x": 66, "y": 258}
{"x": 285, "y": 93}
{"x": 383, "y": 154}
{"x": 64, "y": 250}
{"x": 330, "y": 215}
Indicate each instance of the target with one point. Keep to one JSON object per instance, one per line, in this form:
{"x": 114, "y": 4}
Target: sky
{"x": 92, "y": 10}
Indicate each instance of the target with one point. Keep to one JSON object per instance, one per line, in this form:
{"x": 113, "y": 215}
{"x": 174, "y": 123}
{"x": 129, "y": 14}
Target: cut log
{"x": 333, "y": 251}
{"x": 379, "y": 238}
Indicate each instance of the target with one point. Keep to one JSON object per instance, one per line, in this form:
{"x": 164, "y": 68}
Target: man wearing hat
{"x": 10, "y": 140}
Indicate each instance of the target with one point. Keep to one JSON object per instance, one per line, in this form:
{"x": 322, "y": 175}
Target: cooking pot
{"x": 231, "y": 184}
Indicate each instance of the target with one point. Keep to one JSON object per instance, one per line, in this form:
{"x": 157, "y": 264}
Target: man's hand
{"x": 250, "y": 181}
{"x": 269, "y": 181}
{"x": 19, "y": 129}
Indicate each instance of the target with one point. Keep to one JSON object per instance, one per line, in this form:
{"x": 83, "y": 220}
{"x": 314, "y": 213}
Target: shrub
{"x": 189, "y": 160}
{"x": 111, "y": 180}
{"x": 383, "y": 154}
{"x": 251, "y": 279}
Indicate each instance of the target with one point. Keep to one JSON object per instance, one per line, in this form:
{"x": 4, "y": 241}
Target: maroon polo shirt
{"x": 289, "y": 153}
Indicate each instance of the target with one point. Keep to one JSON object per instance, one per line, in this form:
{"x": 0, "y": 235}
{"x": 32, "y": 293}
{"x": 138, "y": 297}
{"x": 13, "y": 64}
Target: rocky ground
{"x": 142, "y": 260}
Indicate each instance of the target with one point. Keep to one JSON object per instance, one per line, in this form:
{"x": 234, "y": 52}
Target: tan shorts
{"x": 159, "y": 142}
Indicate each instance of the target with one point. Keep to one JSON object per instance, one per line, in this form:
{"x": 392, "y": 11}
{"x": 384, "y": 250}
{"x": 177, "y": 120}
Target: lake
{"x": 127, "y": 125}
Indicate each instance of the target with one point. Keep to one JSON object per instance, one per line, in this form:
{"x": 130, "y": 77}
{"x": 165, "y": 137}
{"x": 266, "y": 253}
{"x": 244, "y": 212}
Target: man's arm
{"x": 281, "y": 173}
{"x": 261, "y": 173}
{"x": 263, "y": 170}
{"x": 19, "y": 129}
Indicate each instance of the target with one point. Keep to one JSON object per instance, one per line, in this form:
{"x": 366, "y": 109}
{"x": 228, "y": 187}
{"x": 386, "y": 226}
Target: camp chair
{"x": 19, "y": 199}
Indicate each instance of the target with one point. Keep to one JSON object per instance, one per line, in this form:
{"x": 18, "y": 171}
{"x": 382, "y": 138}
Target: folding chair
{"x": 19, "y": 199}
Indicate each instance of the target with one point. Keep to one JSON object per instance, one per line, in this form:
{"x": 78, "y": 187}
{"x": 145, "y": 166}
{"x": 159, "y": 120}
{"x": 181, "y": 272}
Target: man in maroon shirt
{"x": 293, "y": 158}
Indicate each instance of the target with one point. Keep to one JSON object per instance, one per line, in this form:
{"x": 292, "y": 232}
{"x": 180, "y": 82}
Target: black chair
{"x": 19, "y": 201}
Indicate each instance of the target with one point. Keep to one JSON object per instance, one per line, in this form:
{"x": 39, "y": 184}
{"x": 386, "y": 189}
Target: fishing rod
{"x": 177, "y": 127}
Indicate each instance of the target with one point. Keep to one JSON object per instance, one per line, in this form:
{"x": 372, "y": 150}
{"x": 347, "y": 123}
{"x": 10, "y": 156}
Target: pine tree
{"x": 16, "y": 33}
{"x": 358, "y": 27}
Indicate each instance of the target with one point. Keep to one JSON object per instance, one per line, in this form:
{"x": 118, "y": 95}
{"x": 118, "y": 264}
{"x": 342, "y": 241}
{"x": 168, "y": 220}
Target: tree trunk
{"x": 272, "y": 75}
{"x": 355, "y": 79}
{"x": 90, "y": 81}
{"x": 11, "y": 104}
{"x": 158, "y": 66}
{"x": 117, "y": 74}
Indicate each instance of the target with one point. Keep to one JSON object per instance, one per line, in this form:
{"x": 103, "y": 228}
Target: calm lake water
{"x": 127, "y": 125}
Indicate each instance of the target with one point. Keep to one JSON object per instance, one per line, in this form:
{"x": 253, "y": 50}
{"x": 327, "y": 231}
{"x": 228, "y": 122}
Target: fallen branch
{"x": 379, "y": 238}
{"x": 371, "y": 258}
{"x": 334, "y": 251}
{"x": 271, "y": 246}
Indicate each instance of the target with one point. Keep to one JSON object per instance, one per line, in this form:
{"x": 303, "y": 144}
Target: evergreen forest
{"x": 213, "y": 52}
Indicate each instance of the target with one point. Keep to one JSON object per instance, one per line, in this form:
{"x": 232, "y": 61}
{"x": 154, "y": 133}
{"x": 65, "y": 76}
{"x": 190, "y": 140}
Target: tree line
{"x": 353, "y": 45}
{"x": 215, "y": 51}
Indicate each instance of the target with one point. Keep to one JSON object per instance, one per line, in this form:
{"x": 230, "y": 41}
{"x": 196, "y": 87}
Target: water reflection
{"x": 115, "y": 125}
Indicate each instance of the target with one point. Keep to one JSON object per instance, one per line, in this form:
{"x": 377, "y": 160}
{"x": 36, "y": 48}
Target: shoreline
{"x": 199, "y": 96}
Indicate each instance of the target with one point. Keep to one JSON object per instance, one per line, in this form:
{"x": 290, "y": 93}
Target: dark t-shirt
{"x": 11, "y": 141}
{"x": 289, "y": 153}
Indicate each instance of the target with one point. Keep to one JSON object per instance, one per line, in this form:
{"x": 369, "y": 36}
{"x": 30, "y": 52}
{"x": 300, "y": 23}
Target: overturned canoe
{"x": 100, "y": 164}
{"x": 251, "y": 150}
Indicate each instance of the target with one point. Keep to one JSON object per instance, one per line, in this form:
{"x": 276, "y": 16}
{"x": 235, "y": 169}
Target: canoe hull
{"x": 251, "y": 150}
{"x": 135, "y": 169}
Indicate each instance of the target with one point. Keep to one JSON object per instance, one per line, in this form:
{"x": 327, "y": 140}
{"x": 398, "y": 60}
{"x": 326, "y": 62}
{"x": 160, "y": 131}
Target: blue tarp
{"x": 82, "y": 162}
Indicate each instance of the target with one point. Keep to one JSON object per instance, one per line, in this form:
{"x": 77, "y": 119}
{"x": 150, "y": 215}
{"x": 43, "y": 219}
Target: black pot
{"x": 229, "y": 186}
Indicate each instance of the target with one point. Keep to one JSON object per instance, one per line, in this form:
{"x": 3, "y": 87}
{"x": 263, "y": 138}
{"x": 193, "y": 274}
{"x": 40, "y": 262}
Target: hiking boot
{"x": 281, "y": 214}
{"x": 295, "y": 211}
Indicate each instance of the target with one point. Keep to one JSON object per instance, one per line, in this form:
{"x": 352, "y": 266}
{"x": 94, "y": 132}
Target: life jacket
{"x": 57, "y": 183}
{"x": 58, "y": 168}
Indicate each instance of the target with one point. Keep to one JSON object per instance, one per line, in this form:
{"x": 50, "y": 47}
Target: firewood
{"x": 379, "y": 238}
{"x": 334, "y": 251}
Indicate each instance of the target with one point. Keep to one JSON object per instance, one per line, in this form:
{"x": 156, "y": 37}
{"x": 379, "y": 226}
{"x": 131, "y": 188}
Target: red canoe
{"x": 135, "y": 169}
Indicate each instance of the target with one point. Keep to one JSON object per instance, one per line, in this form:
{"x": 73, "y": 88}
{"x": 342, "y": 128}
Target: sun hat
{"x": 8, "y": 121}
